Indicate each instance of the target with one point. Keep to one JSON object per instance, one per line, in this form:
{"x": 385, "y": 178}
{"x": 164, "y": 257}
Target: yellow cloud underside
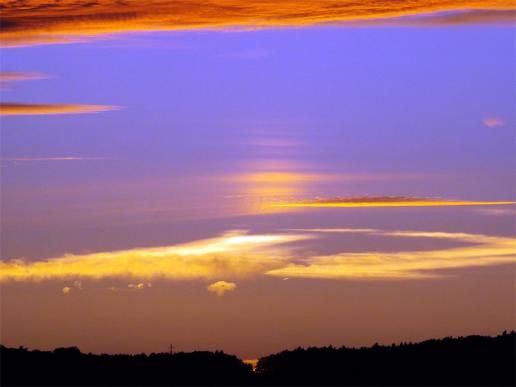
{"x": 40, "y": 21}
{"x": 232, "y": 255}
{"x": 237, "y": 255}
{"x": 486, "y": 251}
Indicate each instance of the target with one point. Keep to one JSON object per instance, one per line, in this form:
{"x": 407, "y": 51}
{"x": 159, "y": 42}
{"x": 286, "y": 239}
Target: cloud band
{"x": 385, "y": 201}
{"x": 44, "y": 21}
{"x": 237, "y": 255}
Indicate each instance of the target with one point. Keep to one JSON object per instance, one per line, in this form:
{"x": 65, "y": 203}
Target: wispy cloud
{"x": 369, "y": 265}
{"x": 511, "y": 211}
{"x": 221, "y": 287}
{"x": 18, "y": 76}
{"x": 30, "y": 109}
{"x": 26, "y": 109}
{"x": 493, "y": 122}
{"x": 271, "y": 185}
{"x": 247, "y": 54}
{"x": 138, "y": 286}
{"x": 237, "y": 255}
{"x": 233, "y": 255}
{"x": 384, "y": 201}
{"x": 14, "y": 76}
{"x": 43, "y": 21}
{"x": 36, "y": 159}
{"x": 445, "y": 18}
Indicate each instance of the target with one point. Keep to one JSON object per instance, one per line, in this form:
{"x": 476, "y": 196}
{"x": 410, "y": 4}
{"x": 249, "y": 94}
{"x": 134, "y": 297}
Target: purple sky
{"x": 211, "y": 125}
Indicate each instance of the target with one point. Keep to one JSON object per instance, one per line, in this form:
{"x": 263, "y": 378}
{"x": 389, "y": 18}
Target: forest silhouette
{"x": 471, "y": 361}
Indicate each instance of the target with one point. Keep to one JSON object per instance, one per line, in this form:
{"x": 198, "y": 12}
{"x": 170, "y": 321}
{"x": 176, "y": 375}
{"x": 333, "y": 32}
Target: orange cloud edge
{"x": 384, "y": 201}
{"x": 17, "y": 76}
{"x": 40, "y": 22}
{"x": 25, "y": 109}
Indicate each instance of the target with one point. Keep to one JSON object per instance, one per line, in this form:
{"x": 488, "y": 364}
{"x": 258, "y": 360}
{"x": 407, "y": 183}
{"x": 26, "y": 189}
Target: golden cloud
{"x": 66, "y": 290}
{"x": 384, "y": 201}
{"x": 24, "y": 109}
{"x": 270, "y": 185}
{"x": 239, "y": 255}
{"x": 221, "y": 287}
{"x": 138, "y": 286}
{"x": 483, "y": 251}
{"x": 234, "y": 255}
{"x": 44, "y": 21}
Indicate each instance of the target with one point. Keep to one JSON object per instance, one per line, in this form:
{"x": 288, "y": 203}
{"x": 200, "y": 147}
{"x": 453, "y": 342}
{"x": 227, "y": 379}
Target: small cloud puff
{"x": 493, "y": 122}
{"x": 221, "y": 287}
{"x": 66, "y": 290}
{"x": 139, "y": 286}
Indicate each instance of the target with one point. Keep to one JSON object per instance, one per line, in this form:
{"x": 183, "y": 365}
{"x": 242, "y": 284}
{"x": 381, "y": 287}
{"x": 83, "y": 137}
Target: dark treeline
{"x": 472, "y": 361}
{"x": 70, "y": 367}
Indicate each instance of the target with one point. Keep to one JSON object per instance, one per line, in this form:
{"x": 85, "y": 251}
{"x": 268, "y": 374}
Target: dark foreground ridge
{"x": 471, "y": 361}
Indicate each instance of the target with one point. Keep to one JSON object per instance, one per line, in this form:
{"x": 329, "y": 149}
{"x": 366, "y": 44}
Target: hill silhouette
{"x": 472, "y": 361}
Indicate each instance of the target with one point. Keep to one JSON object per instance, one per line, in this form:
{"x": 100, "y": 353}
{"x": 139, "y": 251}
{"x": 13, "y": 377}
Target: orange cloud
{"x": 16, "y": 76}
{"x": 25, "y": 109}
{"x": 385, "y": 201}
{"x": 44, "y": 21}
{"x": 475, "y": 16}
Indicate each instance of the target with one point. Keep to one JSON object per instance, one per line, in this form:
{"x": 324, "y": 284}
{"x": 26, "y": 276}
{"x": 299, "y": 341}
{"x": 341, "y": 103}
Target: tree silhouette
{"x": 472, "y": 361}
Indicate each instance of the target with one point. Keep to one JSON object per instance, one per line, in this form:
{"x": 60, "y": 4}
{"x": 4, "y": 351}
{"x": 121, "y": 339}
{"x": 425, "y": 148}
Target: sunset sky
{"x": 254, "y": 176}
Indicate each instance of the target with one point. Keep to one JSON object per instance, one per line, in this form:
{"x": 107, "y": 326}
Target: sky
{"x": 254, "y": 176}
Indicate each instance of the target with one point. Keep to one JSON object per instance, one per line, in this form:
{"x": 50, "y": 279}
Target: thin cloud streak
{"x": 384, "y": 201}
{"x": 34, "y": 159}
{"x": 25, "y": 109}
{"x": 405, "y": 265}
{"x": 17, "y": 76}
{"x": 39, "y": 21}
